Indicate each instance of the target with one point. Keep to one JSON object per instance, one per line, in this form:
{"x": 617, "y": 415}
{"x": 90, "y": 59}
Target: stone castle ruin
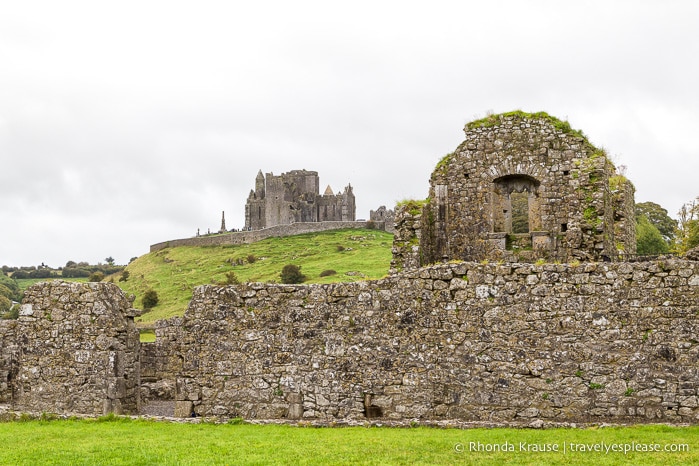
{"x": 295, "y": 197}
{"x": 509, "y": 302}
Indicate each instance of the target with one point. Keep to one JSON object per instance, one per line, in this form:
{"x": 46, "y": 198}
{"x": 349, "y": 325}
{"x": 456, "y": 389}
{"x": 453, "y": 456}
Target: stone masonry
{"x": 469, "y": 341}
{"x": 522, "y": 187}
{"x": 76, "y": 349}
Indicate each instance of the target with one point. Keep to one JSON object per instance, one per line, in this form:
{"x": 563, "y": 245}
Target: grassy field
{"x": 138, "y": 442}
{"x": 174, "y": 272}
{"x": 25, "y": 283}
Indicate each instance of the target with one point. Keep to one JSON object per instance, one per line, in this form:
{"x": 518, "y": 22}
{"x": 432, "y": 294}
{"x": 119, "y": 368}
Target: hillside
{"x": 355, "y": 254}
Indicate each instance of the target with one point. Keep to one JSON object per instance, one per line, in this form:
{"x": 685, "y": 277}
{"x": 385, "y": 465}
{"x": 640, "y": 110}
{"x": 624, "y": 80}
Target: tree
{"x": 687, "y": 233}
{"x": 649, "y": 240}
{"x": 150, "y": 299}
{"x": 292, "y": 274}
{"x": 12, "y": 286}
{"x": 96, "y": 277}
{"x": 5, "y": 304}
{"x": 6, "y": 292}
{"x": 659, "y": 218}
{"x": 109, "y": 260}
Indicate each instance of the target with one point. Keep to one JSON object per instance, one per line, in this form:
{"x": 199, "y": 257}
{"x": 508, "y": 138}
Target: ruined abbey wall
{"x": 465, "y": 341}
{"x": 469, "y": 341}
{"x": 74, "y": 349}
{"x": 8, "y": 358}
{"x": 523, "y": 187}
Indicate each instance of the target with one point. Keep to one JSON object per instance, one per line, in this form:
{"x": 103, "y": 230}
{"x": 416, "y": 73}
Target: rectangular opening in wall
{"x": 520, "y": 212}
{"x": 564, "y": 227}
{"x": 566, "y": 172}
{"x": 465, "y": 175}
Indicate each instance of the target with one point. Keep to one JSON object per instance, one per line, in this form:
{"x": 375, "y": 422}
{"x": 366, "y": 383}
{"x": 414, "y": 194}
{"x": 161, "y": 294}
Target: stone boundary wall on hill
{"x": 467, "y": 341}
{"x": 247, "y": 237}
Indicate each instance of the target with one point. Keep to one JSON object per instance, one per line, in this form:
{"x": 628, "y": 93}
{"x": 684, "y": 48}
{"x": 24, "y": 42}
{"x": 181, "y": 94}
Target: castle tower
{"x": 260, "y": 185}
{"x": 294, "y": 197}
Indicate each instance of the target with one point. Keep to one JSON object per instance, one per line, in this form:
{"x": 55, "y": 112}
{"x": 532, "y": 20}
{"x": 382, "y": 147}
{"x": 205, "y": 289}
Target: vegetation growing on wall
{"x": 495, "y": 119}
{"x": 412, "y": 206}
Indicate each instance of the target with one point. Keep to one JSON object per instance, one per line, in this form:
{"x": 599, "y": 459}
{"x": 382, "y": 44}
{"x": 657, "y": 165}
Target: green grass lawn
{"x": 139, "y": 442}
{"x": 174, "y": 272}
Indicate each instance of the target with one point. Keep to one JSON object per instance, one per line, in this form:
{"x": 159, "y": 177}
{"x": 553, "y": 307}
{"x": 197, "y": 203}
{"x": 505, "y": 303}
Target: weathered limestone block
{"x": 78, "y": 350}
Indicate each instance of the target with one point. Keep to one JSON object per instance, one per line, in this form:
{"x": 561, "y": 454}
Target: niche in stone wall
{"x": 516, "y": 206}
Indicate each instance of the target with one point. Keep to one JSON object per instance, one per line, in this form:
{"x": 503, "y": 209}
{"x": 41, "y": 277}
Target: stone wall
{"x": 8, "y": 358}
{"x": 160, "y": 365}
{"x": 469, "y": 341}
{"x": 523, "y": 187}
{"x": 248, "y": 237}
{"x": 77, "y": 350}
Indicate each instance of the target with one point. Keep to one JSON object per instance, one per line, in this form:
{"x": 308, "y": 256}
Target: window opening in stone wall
{"x": 520, "y": 212}
{"x": 564, "y": 227}
{"x": 516, "y": 204}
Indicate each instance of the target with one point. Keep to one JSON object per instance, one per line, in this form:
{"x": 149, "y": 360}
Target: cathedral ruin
{"x": 295, "y": 197}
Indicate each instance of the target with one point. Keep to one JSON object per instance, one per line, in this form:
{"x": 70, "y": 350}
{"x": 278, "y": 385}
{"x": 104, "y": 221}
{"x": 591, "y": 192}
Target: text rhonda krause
{"x": 573, "y": 447}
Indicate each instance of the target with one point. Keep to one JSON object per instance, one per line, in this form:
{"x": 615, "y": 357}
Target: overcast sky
{"x": 129, "y": 123}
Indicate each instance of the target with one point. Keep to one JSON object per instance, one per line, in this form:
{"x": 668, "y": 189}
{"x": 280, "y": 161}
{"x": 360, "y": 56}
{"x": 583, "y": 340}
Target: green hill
{"x": 354, "y": 254}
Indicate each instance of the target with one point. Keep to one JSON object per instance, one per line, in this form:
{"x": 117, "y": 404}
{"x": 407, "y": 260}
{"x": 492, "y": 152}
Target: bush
{"x": 230, "y": 279}
{"x": 96, "y": 277}
{"x": 251, "y": 258}
{"x": 327, "y": 273}
{"x": 124, "y": 276}
{"x": 292, "y": 274}
{"x": 5, "y": 304}
{"x": 340, "y": 248}
{"x": 41, "y": 273}
{"x": 149, "y": 299}
{"x": 11, "y": 284}
{"x": 74, "y": 272}
{"x": 13, "y": 313}
{"x": 6, "y": 292}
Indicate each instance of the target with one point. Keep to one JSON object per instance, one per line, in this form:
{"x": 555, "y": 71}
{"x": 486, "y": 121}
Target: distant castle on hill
{"x": 295, "y": 197}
